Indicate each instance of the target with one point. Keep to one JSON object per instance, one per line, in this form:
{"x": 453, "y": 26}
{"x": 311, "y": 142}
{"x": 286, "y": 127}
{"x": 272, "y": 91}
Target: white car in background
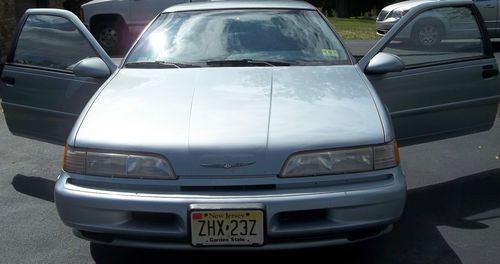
{"x": 429, "y": 31}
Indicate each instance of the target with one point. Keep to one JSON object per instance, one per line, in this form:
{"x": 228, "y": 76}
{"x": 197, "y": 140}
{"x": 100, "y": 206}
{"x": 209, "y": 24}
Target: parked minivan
{"x": 114, "y": 22}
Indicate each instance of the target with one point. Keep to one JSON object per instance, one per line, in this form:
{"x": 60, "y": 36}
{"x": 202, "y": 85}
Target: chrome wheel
{"x": 428, "y": 35}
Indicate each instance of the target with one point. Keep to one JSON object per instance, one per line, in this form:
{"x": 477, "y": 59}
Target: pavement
{"x": 452, "y": 213}
{"x": 359, "y": 48}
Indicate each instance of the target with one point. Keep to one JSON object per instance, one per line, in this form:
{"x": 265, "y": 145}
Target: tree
{"x": 326, "y": 6}
{"x": 342, "y": 8}
{"x": 349, "y": 8}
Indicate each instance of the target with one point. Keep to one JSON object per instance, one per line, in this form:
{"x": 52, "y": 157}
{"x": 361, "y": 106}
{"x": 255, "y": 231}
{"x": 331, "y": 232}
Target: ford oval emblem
{"x": 227, "y": 165}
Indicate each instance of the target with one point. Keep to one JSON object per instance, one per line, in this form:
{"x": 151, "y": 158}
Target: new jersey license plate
{"x": 227, "y": 227}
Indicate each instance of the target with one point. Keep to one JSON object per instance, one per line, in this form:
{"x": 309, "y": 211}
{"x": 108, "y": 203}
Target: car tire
{"x": 111, "y": 35}
{"x": 427, "y": 34}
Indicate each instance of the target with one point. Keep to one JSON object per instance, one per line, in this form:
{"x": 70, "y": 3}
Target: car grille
{"x": 230, "y": 188}
{"x": 354, "y": 235}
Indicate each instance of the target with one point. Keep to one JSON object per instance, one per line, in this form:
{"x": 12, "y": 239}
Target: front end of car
{"x": 388, "y": 18}
{"x": 391, "y": 14}
{"x": 267, "y": 136}
{"x": 290, "y": 181}
{"x": 318, "y": 199}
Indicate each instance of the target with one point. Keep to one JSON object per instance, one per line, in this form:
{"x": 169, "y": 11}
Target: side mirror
{"x": 92, "y": 67}
{"x": 384, "y": 63}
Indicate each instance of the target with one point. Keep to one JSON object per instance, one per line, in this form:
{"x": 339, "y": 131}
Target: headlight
{"x": 116, "y": 164}
{"x": 397, "y": 14}
{"x": 342, "y": 161}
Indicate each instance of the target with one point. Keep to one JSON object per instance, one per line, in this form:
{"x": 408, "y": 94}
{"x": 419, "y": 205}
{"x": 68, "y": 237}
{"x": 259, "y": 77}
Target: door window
{"x": 51, "y": 42}
{"x": 437, "y": 36}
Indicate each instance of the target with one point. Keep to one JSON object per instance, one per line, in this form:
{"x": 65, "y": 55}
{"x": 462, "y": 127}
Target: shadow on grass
{"x": 461, "y": 203}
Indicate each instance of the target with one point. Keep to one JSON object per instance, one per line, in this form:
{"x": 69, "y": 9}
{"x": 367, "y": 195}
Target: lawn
{"x": 355, "y": 28}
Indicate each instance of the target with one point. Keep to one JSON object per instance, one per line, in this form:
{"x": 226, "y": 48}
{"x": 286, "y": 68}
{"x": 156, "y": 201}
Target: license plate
{"x": 227, "y": 227}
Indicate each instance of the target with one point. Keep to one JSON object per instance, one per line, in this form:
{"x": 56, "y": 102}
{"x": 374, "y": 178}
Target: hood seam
{"x": 270, "y": 109}
{"x": 189, "y": 122}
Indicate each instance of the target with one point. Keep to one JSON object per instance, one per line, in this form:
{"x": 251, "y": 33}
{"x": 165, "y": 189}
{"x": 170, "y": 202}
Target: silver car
{"x": 240, "y": 125}
{"x": 431, "y": 29}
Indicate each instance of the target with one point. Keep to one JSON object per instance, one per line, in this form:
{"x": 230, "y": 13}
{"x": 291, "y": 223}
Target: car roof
{"x": 239, "y": 4}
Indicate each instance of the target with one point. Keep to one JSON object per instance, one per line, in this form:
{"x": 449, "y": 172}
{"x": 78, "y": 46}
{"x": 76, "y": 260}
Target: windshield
{"x": 252, "y": 37}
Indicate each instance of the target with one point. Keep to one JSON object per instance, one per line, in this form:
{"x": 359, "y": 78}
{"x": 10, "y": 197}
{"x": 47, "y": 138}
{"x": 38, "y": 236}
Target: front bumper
{"x": 296, "y": 215}
{"x": 384, "y": 27}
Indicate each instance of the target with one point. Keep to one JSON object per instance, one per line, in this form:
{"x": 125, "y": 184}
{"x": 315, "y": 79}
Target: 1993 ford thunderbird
{"x": 242, "y": 124}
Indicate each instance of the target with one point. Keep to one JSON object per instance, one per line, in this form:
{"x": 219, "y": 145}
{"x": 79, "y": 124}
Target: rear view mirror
{"x": 92, "y": 67}
{"x": 384, "y": 63}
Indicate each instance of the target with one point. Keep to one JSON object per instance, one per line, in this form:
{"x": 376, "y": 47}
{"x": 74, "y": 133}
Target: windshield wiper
{"x": 158, "y": 65}
{"x": 246, "y": 62}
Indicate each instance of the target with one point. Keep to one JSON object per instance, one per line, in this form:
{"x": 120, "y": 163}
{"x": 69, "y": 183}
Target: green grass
{"x": 355, "y": 28}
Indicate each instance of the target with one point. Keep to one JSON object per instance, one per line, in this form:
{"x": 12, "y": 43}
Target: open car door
{"x": 436, "y": 73}
{"x": 53, "y": 69}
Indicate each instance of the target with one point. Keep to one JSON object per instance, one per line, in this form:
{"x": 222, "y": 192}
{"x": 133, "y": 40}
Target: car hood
{"x": 406, "y": 5}
{"x": 94, "y": 2}
{"x": 252, "y": 118}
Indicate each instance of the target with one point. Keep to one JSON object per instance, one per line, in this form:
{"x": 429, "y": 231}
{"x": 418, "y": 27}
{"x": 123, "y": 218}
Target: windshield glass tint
{"x": 297, "y": 37}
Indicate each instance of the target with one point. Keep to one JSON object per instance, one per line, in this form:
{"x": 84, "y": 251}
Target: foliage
{"x": 355, "y": 28}
{"x": 350, "y": 8}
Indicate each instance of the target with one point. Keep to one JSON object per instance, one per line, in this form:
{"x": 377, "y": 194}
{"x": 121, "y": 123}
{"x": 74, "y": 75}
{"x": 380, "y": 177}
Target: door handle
{"x": 9, "y": 81}
{"x": 489, "y": 71}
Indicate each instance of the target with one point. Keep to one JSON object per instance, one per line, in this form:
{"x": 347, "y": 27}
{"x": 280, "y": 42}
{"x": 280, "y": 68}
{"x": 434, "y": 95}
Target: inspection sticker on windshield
{"x": 329, "y": 52}
{"x": 227, "y": 228}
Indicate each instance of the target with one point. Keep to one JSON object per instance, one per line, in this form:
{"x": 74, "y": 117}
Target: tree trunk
{"x": 7, "y": 25}
{"x": 328, "y": 7}
{"x": 341, "y": 8}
